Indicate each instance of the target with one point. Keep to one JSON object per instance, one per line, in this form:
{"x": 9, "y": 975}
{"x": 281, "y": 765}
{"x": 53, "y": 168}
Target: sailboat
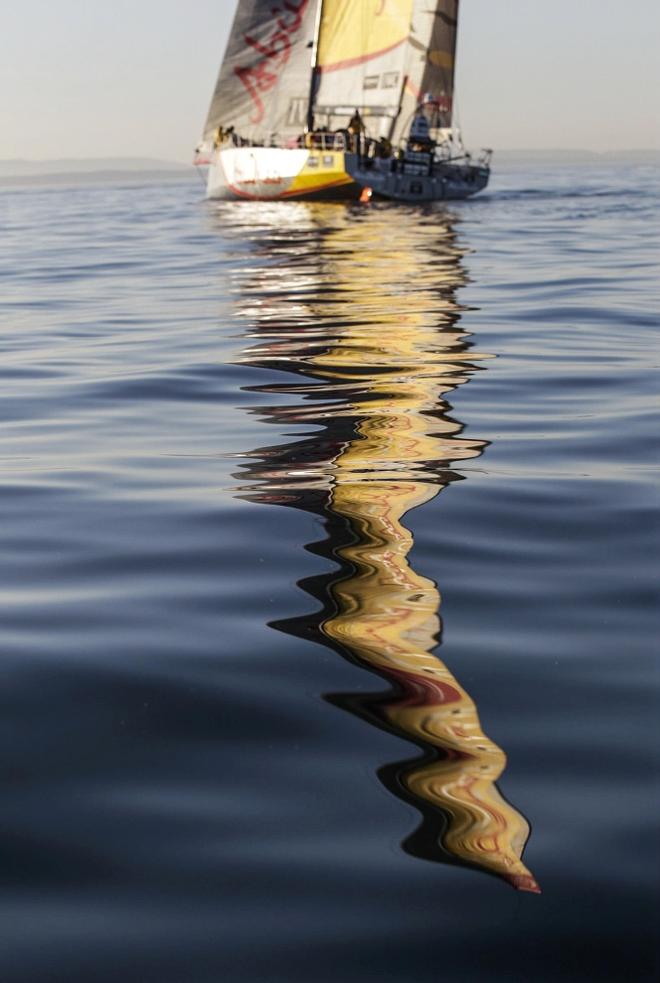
{"x": 339, "y": 99}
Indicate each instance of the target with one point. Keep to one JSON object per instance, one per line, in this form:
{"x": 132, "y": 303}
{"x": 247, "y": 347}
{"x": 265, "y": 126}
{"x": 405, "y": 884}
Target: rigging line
{"x": 452, "y": 80}
{"x": 363, "y": 46}
{"x": 455, "y": 114}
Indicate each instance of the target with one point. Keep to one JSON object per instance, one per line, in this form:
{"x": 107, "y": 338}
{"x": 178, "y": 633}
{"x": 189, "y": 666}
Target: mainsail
{"x": 362, "y": 54}
{"x": 383, "y": 57}
{"x": 263, "y": 85}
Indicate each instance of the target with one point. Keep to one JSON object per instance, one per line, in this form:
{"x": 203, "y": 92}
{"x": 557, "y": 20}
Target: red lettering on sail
{"x": 262, "y": 76}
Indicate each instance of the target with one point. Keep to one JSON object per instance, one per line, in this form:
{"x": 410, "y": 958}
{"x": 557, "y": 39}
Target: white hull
{"x": 268, "y": 173}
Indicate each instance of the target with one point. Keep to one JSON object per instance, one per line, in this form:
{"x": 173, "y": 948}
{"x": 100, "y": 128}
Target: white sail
{"x": 430, "y": 61}
{"x": 263, "y": 86}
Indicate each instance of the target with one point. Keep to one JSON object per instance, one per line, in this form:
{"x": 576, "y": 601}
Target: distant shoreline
{"x": 96, "y": 177}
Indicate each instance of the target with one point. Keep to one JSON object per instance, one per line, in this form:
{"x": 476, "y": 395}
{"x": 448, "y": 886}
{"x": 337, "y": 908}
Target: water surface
{"x": 329, "y": 591}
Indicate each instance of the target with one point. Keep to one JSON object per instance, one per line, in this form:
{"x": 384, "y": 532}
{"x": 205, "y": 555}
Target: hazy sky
{"x": 88, "y": 78}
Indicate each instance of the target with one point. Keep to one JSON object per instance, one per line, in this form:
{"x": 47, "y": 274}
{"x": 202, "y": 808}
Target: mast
{"x": 312, "y": 80}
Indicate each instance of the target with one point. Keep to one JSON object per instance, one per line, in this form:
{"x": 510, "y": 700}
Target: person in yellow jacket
{"x": 222, "y": 134}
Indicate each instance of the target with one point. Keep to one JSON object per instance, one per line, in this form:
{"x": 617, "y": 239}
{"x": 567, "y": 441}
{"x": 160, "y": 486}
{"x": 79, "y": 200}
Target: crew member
{"x": 419, "y": 137}
{"x": 356, "y": 129}
{"x": 221, "y": 135}
{"x": 383, "y": 147}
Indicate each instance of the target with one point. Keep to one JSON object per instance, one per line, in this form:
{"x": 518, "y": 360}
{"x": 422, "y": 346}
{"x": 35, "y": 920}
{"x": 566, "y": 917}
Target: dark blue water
{"x": 329, "y": 555}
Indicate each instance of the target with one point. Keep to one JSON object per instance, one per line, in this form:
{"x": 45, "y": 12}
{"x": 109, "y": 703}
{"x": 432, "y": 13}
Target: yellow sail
{"x": 352, "y": 32}
{"x": 363, "y": 51}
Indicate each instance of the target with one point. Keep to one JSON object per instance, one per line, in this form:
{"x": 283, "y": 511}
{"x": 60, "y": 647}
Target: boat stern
{"x": 271, "y": 173}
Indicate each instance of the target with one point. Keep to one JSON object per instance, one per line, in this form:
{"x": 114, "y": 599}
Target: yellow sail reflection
{"x": 388, "y": 617}
{"x": 382, "y": 370}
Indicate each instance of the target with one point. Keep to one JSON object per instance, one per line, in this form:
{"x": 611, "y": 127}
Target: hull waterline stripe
{"x": 288, "y": 194}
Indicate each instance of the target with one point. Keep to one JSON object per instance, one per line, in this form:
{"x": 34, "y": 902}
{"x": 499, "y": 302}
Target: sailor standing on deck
{"x": 356, "y": 129}
{"x": 419, "y": 137}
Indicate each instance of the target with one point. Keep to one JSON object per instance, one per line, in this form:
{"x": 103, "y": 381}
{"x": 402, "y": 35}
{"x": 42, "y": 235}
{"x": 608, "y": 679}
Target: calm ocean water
{"x": 329, "y": 555}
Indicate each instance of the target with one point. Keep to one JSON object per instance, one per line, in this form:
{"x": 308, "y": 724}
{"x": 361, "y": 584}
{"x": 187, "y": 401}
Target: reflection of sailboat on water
{"x": 378, "y": 369}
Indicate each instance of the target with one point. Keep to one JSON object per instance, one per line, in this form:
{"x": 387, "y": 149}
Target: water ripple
{"x": 243, "y": 449}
